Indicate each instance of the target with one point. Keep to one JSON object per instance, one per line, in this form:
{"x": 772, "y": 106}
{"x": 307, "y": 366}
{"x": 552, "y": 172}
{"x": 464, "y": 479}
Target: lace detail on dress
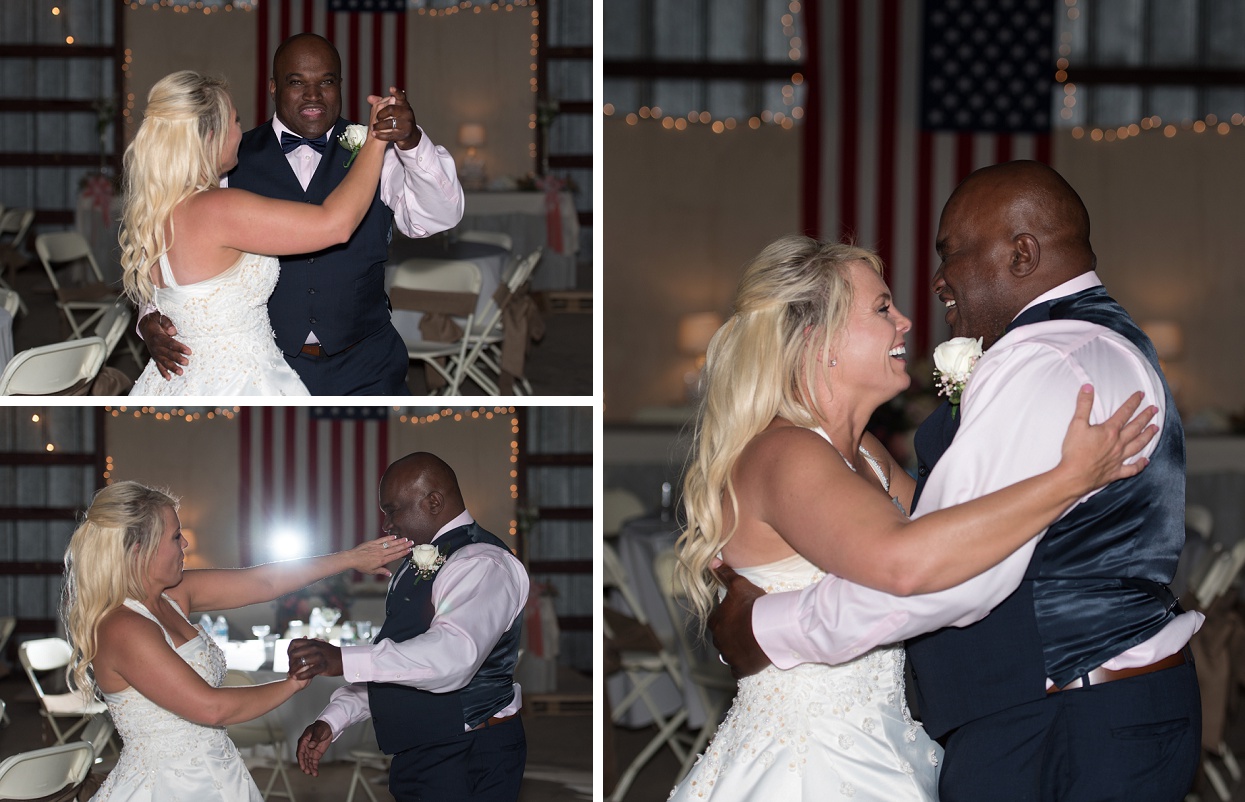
{"x": 166, "y": 757}
{"x": 816, "y": 730}
{"x": 224, "y": 322}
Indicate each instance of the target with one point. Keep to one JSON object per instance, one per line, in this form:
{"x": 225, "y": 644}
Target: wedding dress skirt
{"x": 817, "y": 732}
{"x": 224, "y": 322}
{"x": 167, "y": 758}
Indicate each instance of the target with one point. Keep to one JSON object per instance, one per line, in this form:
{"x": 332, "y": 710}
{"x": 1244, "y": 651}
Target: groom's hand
{"x": 731, "y": 624}
{"x": 312, "y": 745}
{"x": 157, "y": 332}
{"x": 311, "y": 657}
{"x": 402, "y": 128}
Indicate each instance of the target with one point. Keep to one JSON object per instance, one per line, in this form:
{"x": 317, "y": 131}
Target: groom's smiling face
{"x": 306, "y": 86}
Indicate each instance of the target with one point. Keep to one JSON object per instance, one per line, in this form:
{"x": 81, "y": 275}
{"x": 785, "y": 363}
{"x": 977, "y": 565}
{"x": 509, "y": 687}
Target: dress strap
{"x": 166, "y": 271}
{"x": 142, "y": 610}
{"x": 877, "y": 468}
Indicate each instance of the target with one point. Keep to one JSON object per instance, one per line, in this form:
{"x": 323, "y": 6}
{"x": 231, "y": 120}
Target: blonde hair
{"x": 792, "y": 302}
{"x": 177, "y": 152}
{"x": 106, "y": 563}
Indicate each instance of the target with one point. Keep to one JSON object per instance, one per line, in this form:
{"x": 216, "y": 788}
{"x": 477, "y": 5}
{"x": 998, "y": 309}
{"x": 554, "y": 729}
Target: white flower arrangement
{"x": 426, "y": 559}
{"x": 352, "y": 139}
{"x": 954, "y": 360}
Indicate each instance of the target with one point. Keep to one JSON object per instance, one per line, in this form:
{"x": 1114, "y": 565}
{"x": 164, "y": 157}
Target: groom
{"x": 1075, "y": 681}
{"x": 329, "y": 309}
{"x": 438, "y": 682}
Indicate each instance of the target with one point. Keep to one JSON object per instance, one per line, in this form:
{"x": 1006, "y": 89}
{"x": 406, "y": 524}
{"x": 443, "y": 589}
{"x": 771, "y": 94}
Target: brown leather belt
{"x": 1100, "y": 676}
{"x": 493, "y": 722}
{"x": 315, "y": 349}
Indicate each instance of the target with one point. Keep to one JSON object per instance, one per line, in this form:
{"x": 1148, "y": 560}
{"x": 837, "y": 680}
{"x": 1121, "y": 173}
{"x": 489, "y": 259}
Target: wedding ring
{"x": 384, "y": 545}
{"x": 394, "y": 121}
{"x": 305, "y": 660}
{"x": 721, "y": 660}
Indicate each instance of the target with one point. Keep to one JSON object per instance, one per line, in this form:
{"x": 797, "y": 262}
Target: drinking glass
{"x": 261, "y": 631}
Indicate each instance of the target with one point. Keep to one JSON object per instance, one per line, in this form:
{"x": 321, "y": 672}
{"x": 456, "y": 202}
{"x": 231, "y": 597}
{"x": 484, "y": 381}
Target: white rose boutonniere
{"x": 954, "y": 360}
{"x": 352, "y": 139}
{"x": 427, "y": 560}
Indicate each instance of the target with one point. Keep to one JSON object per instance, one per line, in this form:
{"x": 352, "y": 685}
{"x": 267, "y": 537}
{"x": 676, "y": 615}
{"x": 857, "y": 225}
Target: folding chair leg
{"x": 358, "y": 779}
{"x": 663, "y": 735}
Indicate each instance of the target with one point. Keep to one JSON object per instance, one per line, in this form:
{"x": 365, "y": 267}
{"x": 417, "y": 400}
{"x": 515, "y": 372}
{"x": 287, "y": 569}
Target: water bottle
{"x": 205, "y": 624}
{"x": 347, "y": 636}
{"x": 220, "y": 630}
{"x": 667, "y": 501}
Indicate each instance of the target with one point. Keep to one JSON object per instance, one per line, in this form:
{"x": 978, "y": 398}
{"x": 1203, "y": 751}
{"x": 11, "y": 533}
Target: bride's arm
{"x": 134, "y": 649}
{"x": 230, "y": 588}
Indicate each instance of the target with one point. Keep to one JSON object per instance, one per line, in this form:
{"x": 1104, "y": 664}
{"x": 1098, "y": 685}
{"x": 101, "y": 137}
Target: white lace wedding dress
{"x": 817, "y": 732}
{"x": 224, "y": 322}
{"x": 167, "y": 758}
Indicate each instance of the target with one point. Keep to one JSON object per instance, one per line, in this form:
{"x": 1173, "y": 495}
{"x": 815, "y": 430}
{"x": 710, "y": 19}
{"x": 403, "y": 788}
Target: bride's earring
{"x": 833, "y": 362}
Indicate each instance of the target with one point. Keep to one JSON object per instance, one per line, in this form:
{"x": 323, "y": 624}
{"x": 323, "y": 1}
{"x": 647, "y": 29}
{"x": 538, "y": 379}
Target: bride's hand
{"x": 372, "y": 556}
{"x": 1095, "y": 455}
{"x": 379, "y": 104}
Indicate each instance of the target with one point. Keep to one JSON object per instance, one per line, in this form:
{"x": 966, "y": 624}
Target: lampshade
{"x": 696, "y": 330}
{"x": 1167, "y": 337}
{"x": 471, "y": 135}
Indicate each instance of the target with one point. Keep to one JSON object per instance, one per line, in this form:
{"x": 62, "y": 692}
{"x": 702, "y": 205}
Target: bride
{"x": 786, "y": 486}
{"x": 206, "y": 256}
{"x": 126, "y": 608}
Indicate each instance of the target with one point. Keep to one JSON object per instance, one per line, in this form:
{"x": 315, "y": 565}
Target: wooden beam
{"x": 704, "y": 70}
{"x": 54, "y": 160}
{"x": 38, "y": 514}
{"x": 559, "y": 460}
{"x": 560, "y": 567}
{"x": 43, "y": 104}
{"x": 564, "y": 514}
{"x": 44, "y": 458}
{"x": 58, "y": 52}
{"x": 1151, "y": 76}
{"x": 10, "y": 568}
{"x": 575, "y": 623}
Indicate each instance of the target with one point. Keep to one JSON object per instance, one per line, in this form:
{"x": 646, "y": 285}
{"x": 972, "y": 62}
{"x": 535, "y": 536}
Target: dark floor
{"x": 559, "y": 365}
{"x": 559, "y": 759}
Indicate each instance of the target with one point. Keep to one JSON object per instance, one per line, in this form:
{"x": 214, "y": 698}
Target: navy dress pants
{"x": 483, "y": 765}
{"x": 376, "y": 365}
{"x": 1135, "y": 739}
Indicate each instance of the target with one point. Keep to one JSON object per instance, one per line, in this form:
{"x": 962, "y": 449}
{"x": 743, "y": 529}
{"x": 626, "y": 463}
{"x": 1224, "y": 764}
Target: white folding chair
{"x": 43, "y": 772}
{"x": 7, "y": 624}
{"x": 98, "y": 733}
{"x": 51, "y": 369}
{"x": 115, "y": 326}
{"x": 499, "y": 238}
{"x": 261, "y": 732}
{"x": 482, "y": 364}
{"x": 643, "y": 668}
{"x": 14, "y": 224}
{"x": 618, "y": 505}
{"x": 444, "y": 287}
{"x": 367, "y": 757}
{"x": 81, "y": 304}
{"x": 11, "y": 302}
{"x": 714, "y": 683}
{"x": 53, "y": 654}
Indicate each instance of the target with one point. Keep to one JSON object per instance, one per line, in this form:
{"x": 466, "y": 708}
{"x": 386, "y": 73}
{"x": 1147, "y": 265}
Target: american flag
{"x": 911, "y": 96}
{"x": 370, "y": 35}
{"x": 313, "y": 470}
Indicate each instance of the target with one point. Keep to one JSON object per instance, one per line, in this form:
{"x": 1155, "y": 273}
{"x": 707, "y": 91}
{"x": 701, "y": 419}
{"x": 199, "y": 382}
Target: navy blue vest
{"x": 339, "y": 291}
{"x": 1096, "y": 585}
{"x": 407, "y": 717}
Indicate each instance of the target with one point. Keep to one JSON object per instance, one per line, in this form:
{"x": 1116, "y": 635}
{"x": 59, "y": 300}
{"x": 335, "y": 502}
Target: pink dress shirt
{"x": 478, "y": 593}
{"x": 1016, "y": 408}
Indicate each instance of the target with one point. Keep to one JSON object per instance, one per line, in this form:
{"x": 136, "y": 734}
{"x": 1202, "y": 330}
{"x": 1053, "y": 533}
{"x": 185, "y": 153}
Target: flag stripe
{"x": 372, "y": 46}
{"x": 883, "y": 179}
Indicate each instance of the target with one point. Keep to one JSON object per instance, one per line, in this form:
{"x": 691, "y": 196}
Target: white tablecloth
{"x": 304, "y": 707}
{"x": 491, "y": 260}
{"x": 522, "y": 215}
{"x": 639, "y": 541}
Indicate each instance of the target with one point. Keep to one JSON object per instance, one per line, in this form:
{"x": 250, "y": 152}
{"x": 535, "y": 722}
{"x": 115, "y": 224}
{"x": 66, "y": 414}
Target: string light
{"x": 782, "y": 119}
{"x": 1210, "y": 122}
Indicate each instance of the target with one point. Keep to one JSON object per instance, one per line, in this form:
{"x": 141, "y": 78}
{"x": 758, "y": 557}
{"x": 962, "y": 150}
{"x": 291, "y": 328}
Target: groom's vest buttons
{"x": 406, "y": 717}
{"x": 351, "y": 276}
{"x": 1074, "y": 610}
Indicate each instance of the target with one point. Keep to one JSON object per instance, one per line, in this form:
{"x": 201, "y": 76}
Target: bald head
{"x": 1008, "y": 234}
{"x": 419, "y": 494}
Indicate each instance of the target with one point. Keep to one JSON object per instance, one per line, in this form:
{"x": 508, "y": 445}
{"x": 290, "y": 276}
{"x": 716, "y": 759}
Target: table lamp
{"x": 471, "y": 171}
{"x": 696, "y": 330}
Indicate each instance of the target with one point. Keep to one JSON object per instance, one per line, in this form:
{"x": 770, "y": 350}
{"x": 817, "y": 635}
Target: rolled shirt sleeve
{"x": 1016, "y": 409}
